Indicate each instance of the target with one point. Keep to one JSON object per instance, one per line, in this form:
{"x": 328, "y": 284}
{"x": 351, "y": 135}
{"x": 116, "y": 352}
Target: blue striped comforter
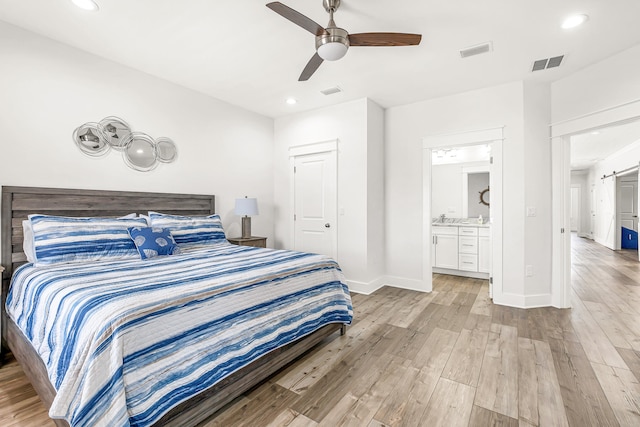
{"x": 125, "y": 341}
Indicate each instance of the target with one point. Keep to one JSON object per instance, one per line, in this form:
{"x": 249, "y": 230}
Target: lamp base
{"x": 246, "y": 227}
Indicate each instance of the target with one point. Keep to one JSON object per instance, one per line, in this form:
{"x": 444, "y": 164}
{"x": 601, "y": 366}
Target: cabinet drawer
{"x": 443, "y": 231}
{"x": 468, "y": 231}
{"x": 468, "y": 245}
{"x": 484, "y": 231}
{"x": 468, "y": 262}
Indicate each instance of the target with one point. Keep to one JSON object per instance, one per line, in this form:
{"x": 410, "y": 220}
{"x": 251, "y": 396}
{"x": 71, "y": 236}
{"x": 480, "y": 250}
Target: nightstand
{"x": 258, "y": 242}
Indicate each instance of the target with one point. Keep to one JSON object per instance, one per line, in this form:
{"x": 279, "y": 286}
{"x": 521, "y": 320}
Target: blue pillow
{"x": 58, "y": 239}
{"x": 152, "y": 241}
{"x": 190, "y": 230}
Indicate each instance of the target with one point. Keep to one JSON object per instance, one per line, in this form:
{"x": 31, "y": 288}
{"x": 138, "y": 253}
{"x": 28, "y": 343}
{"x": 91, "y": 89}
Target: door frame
{"x": 331, "y": 147}
{"x": 560, "y": 135}
{"x": 495, "y": 137}
{"x": 635, "y": 171}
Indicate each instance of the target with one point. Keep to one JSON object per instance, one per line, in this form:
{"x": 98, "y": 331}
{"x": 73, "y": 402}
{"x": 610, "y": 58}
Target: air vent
{"x": 476, "y": 50}
{"x": 555, "y": 61}
{"x": 331, "y": 90}
{"x": 542, "y": 64}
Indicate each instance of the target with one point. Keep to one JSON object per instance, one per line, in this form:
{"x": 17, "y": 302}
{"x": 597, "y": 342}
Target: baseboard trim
{"x": 523, "y": 301}
{"x": 366, "y": 288}
{"x": 406, "y": 283}
{"x": 461, "y": 273}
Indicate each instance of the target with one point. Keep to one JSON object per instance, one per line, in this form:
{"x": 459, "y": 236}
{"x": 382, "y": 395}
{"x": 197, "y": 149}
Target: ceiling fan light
{"x": 332, "y": 51}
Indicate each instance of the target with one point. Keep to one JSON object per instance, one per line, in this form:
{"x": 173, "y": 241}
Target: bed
{"x": 170, "y": 339}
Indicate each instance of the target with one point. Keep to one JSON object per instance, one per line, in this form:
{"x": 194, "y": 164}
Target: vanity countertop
{"x": 461, "y": 222}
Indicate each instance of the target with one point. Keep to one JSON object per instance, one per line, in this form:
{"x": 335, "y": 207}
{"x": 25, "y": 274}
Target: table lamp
{"x": 246, "y": 207}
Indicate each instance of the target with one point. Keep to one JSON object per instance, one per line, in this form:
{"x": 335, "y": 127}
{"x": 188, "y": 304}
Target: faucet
{"x": 442, "y": 217}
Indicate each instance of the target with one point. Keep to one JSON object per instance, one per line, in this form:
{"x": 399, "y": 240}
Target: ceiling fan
{"x": 332, "y": 42}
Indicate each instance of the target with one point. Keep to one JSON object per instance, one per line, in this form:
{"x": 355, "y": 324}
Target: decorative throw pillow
{"x": 152, "y": 241}
{"x": 190, "y": 230}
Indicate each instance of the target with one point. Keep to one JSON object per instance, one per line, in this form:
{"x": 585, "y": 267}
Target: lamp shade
{"x": 246, "y": 206}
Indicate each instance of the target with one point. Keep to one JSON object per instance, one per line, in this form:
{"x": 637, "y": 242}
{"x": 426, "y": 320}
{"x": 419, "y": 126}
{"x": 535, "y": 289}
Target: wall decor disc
{"x": 139, "y": 152}
{"x": 166, "y": 150}
{"x": 90, "y": 139}
{"x": 116, "y": 131}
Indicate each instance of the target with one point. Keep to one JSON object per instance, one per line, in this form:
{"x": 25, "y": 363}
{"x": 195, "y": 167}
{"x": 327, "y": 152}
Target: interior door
{"x": 629, "y": 203}
{"x": 315, "y": 203}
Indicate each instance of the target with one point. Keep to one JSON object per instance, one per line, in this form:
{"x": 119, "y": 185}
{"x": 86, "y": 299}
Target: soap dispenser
{"x": 480, "y": 220}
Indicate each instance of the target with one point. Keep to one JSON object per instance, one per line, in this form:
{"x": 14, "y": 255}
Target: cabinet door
{"x": 446, "y": 252}
{"x": 484, "y": 254}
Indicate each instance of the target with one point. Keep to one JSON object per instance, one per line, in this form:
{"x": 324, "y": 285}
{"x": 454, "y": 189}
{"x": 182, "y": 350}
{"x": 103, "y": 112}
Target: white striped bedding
{"x": 125, "y": 341}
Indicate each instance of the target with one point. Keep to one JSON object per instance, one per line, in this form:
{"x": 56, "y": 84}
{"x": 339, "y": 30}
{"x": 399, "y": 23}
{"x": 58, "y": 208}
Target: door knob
{"x": 327, "y": 225}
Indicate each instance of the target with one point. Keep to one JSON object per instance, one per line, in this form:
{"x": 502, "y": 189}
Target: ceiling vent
{"x": 331, "y": 90}
{"x": 476, "y": 50}
{"x": 543, "y": 64}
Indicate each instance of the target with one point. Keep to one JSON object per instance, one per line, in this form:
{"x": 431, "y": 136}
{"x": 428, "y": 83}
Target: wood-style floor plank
{"x": 498, "y": 381}
{"x": 449, "y": 358}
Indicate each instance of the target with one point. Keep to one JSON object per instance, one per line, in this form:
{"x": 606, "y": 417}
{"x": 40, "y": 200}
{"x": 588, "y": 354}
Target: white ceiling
{"x": 591, "y": 147}
{"x": 244, "y": 53}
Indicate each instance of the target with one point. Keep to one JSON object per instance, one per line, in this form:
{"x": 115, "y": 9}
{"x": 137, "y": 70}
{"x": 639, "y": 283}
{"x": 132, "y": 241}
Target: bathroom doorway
{"x": 455, "y": 166}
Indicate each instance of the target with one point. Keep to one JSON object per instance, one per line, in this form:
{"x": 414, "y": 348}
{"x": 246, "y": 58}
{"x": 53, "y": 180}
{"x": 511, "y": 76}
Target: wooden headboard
{"x": 19, "y": 202}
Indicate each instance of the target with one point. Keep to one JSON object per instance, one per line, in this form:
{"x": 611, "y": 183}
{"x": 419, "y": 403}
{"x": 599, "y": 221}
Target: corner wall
{"x": 525, "y": 151}
{"x": 357, "y": 125}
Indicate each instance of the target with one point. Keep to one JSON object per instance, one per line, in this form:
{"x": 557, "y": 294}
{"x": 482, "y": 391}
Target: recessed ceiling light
{"x": 291, "y": 101}
{"x": 574, "y": 20}
{"x": 89, "y": 5}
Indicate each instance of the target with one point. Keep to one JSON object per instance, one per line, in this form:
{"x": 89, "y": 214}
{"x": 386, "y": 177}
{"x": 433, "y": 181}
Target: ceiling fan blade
{"x": 384, "y": 39}
{"x": 311, "y": 67}
{"x": 297, "y": 18}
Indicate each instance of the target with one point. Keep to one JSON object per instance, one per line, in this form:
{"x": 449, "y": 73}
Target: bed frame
{"x": 19, "y": 202}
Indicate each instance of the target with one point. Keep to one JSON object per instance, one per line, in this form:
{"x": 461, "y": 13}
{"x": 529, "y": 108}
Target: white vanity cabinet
{"x": 444, "y": 241}
{"x": 461, "y": 250}
{"x": 468, "y": 248}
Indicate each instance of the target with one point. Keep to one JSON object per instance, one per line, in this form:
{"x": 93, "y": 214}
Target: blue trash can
{"x": 629, "y": 239}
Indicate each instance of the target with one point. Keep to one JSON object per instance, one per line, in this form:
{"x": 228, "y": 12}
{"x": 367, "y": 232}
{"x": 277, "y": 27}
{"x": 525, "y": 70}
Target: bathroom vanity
{"x": 461, "y": 247}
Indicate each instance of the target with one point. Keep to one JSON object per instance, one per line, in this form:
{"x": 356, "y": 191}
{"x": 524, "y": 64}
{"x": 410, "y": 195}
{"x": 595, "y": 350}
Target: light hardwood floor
{"x": 451, "y": 358}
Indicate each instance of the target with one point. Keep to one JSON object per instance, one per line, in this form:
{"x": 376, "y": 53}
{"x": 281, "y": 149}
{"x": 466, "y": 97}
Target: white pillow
{"x": 27, "y": 243}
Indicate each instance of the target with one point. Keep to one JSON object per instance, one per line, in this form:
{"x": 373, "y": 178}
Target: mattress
{"x": 125, "y": 341}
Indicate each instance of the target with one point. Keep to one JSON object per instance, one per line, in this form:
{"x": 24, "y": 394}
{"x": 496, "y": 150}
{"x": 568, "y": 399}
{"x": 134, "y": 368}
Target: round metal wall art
{"x": 90, "y": 139}
{"x": 139, "y": 150}
{"x": 116, "y": 131}
{"x": 166, "y": 150}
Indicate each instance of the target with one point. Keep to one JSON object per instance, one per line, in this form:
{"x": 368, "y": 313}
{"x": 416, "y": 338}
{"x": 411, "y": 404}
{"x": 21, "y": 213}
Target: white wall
{"x": 446, "y": 193}
{"x": 537, "y": 189}
{"x": 505, "y": 105}
{"x": 48, "y": 89}
{"x": 603, "y": 85}
{"x": 357, "y": 126}
{"x": 375, "y": 192}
